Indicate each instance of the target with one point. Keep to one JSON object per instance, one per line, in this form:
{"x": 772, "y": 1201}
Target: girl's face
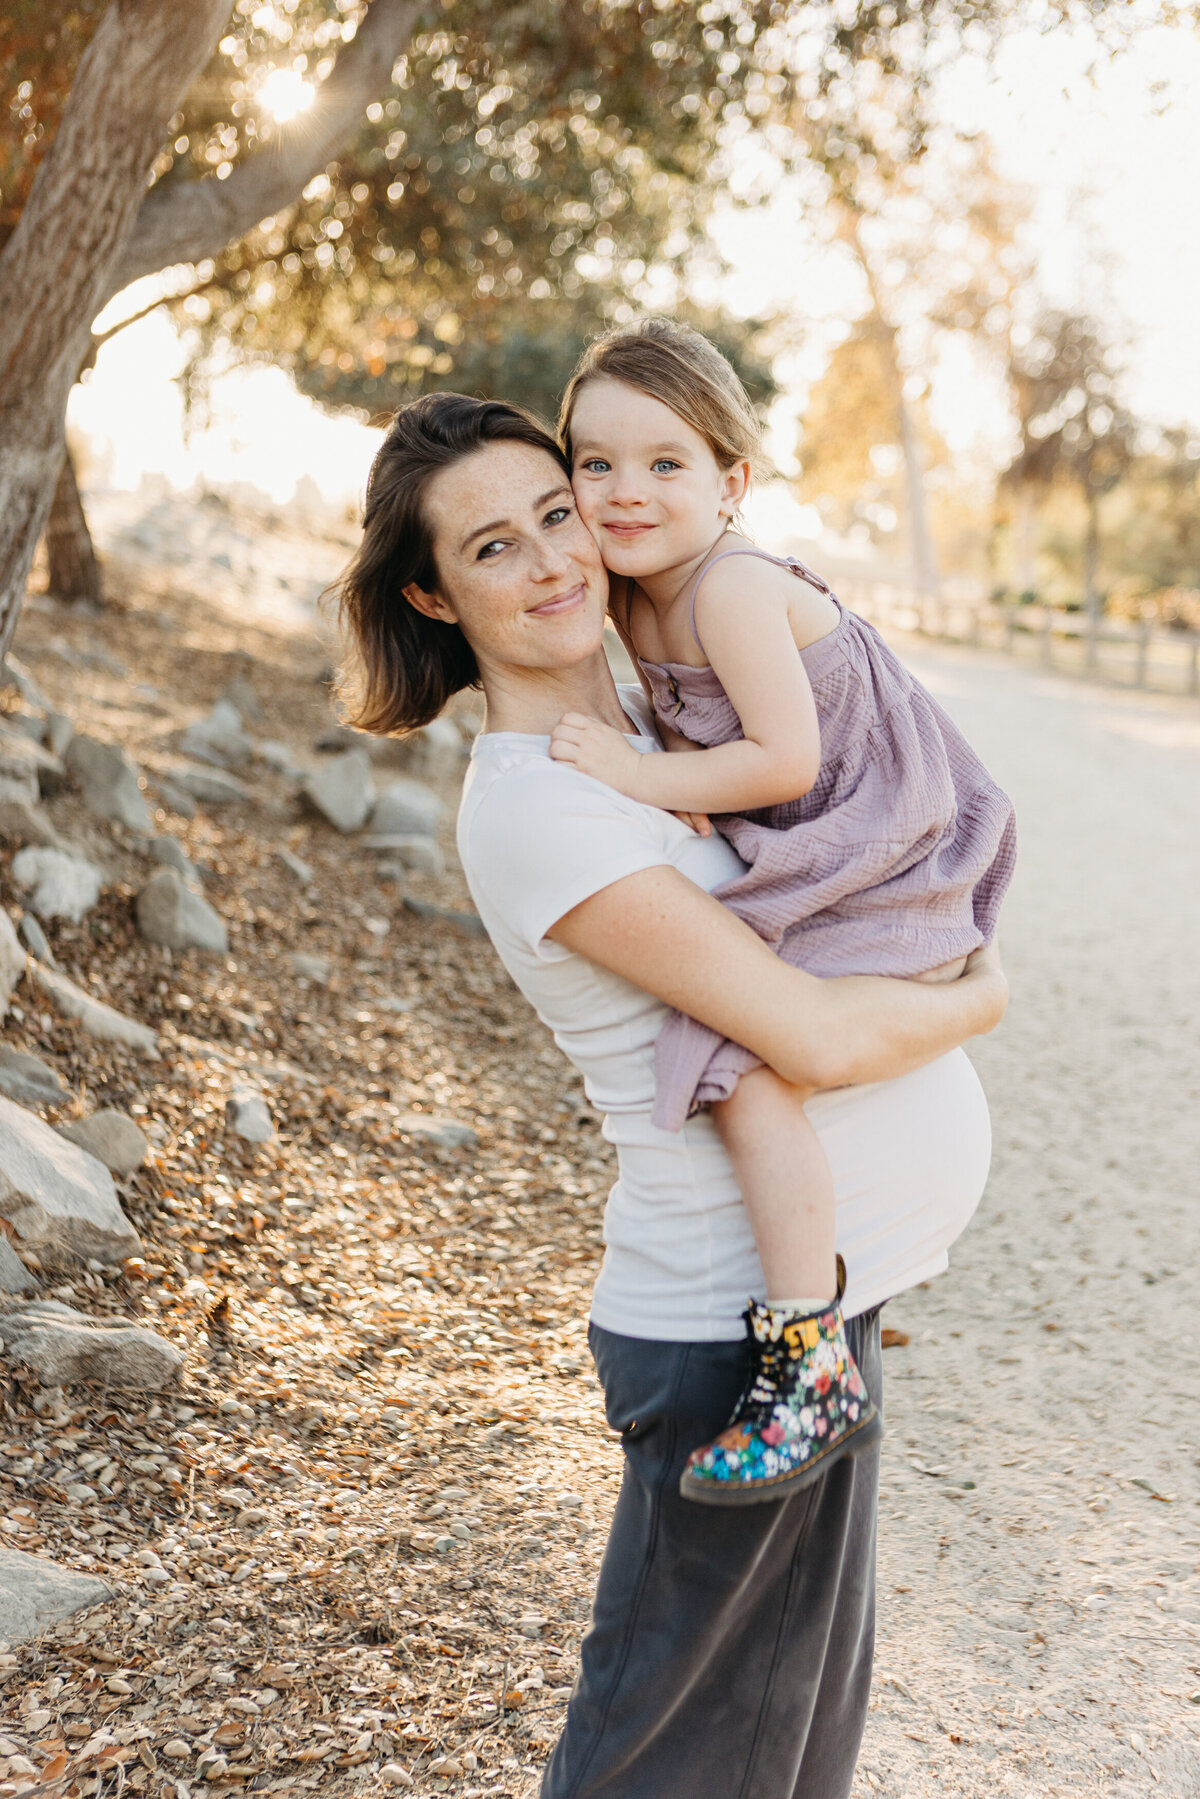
{"x": 518, "y": 571}
{"x": 648, "y": 487}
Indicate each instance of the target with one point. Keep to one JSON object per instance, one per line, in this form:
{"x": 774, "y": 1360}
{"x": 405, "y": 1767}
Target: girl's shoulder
{"x": 754, "y": 582}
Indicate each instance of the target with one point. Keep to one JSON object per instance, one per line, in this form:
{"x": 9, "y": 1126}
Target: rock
{"x": 171, "y": 914}
{"x": 469, "y": 923}
{"x": 14, "y": 673}
{"x": 96, "y": 1018}
{"x": 343, "y": 791}
{"x": 210, "y": 786}
{"x": 64, "y": 886}
{"x": 35, "y": 1594}
{"x": 59, "y": 732}
{"x": 410, "y": 851}
{"x": 407, "y": 808}
{"x": 64, "y": 1346}
{"x": 441, "y": 746}
{"x": 60, "y": 1200}
{"x": 393, "y": 1774}
{"x": 12, "y": 961}
{"x": 312, "y": 968}
{"x": 112, "y": 1137}
{"x": 21, "y": 822}
{"x": 14, "y": 1276}
{"x": 278, "y": 756}
{"x": 108, "y": 782}
{"x": 239, "y": 694}
{"x": 18, "y": 770}
{"x": 248, "y": 1116}
{"x": 29, "y": 724}
{"x": 221, "y": 735}
{"x": 298, "y": 866}
{"x": 175, "y": 797}
{"x": 171, "y": 853}
{"x": 29, "y": 1080}
{"x": 447, "y": 1133}
{"x": 34, "y": 938}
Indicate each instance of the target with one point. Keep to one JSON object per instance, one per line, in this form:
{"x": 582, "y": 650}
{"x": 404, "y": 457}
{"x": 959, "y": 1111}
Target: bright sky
{"x": 1113, "y": 162}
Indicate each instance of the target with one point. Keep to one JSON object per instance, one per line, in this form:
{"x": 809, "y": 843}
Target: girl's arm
{"x": 660, "y": 931}
{"x": 747, "y": 637}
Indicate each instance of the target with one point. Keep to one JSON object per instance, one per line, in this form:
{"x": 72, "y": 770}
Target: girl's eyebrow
{"x": 505, "y": 524}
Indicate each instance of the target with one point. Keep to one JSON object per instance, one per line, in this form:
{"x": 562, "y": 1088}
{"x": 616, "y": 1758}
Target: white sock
{"x": 802, "y": 1305}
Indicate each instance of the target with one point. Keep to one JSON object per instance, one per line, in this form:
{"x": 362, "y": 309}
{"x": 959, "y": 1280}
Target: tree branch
{"x": 187, "y": 221}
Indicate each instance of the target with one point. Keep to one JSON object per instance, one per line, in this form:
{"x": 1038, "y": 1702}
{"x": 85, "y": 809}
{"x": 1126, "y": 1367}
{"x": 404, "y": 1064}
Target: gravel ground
{"x": 363, "y": 1533}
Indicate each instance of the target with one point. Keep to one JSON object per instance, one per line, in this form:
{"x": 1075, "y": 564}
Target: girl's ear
{"x": 431, "y": 604}
{"x": 735, "y": 485}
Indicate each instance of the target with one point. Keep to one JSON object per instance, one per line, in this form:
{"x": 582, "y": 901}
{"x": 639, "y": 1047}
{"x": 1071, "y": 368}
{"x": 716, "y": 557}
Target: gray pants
{"x": 730, "y": 1650}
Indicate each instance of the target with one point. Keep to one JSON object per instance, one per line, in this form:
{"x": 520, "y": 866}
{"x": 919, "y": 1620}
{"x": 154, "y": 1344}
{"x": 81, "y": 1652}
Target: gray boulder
{"x": 312, "y": 968}
{"x": 175, "y": 797}
{"x": 211, "y": 786}
{"x": 220, "y": 735}
{"x": 248, "y": 1116}
{"x": 18, "y": 769}
{"x": 108, "y": 782}
{"x": 240, "y": 695}
{"x": 447, "y": 1133}
{"x": 14, "y": 1276}
{"x": 64, "y": 886}
{"x": 169, "y": 913}
{"x": 112, "y": 1137}
{"x": 12, "y": 960}
{"x": 21, "y": 822}
{"x": 63, "y": 1346}
{"x": 295, "y": 864}
{"x": 409, "y": 849}
{"x": 407, "y": 808}
{"x": 92, "y": 1015}
{"x": 59, "y": 732}
{"x": 29, "y": 1080}
{"x": 60, "y": 1201}
{"x": 35, "y": 1594}
{"x": 171, "y": 853}
{"x": 343, "y": 791}
{"x": 34, "y": 938}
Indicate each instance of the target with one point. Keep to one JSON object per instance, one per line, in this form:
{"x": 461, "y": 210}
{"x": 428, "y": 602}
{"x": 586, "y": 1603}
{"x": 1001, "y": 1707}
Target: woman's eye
{"x": 663, "y": 466}
{"x": 559, "y": 514}
{"x": 490, "y": 549}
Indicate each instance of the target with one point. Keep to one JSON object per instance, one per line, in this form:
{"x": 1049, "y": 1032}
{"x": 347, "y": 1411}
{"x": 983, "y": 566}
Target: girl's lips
{"x": 562, "y": 602}
{"x": 619, "y": 530}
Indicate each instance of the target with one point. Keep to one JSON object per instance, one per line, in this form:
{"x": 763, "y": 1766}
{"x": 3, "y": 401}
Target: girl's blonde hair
{"x": 677, "y": 365}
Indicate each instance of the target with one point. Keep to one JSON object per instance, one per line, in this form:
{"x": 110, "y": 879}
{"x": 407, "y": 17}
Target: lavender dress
{"x": 896, "y": 861}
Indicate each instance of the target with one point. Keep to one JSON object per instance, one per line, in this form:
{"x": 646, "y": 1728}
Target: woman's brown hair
{"x": 677, "y": 365}
{"x": 401, "y": 667}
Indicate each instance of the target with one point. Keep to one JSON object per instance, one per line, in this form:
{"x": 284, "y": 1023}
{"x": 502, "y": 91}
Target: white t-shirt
{"x": 909, "y": 1156}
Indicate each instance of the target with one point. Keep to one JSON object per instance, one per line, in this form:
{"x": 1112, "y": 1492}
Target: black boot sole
{"x": 863, "y": 1435}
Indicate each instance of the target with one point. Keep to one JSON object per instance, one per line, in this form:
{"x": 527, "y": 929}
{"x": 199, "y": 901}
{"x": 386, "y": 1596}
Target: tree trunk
{"x": 74, "y": 569}
{"x": 924, "y": 555}
{"x": 56, "y": 269}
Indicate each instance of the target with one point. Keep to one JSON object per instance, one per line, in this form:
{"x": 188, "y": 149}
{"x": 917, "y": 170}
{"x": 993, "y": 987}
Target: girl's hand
{"x": 696, "y": 821}
{"x": 596, "y": 750}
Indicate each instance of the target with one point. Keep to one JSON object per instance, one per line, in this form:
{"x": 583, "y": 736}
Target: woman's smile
{"x": 560, "y": 603}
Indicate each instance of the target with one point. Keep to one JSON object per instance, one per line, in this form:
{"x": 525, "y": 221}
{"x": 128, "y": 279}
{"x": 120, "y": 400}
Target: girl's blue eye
{"x": 664, "y": 462}
{"x": 595, "y": 465}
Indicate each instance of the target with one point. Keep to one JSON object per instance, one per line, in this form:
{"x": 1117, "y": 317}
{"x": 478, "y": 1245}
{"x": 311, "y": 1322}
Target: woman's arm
{"x": 748, "y": 640}
{"x": 666, "y": 935}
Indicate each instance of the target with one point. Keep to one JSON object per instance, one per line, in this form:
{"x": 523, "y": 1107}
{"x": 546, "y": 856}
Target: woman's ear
{"x": 735, "y": 485}
{"x": 431, "y": 604}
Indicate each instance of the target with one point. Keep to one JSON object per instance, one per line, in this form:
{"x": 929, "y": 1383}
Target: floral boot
{"x": 804, "y": 1407}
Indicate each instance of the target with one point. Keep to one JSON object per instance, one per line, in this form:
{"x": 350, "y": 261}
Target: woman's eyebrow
{"x": 504, "y": 524}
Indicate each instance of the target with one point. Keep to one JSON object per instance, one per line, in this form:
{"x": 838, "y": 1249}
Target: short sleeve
{"x": 543, "y": 839}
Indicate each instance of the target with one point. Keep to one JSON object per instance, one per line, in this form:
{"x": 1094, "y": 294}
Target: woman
{"x": 730, "y": 1652}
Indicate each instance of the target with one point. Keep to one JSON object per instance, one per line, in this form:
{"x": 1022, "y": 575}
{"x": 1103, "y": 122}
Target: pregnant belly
{"x": 910, "y": 1161}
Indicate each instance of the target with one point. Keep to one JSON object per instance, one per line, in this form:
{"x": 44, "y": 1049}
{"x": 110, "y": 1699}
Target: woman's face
{"x": 518, "y": 571}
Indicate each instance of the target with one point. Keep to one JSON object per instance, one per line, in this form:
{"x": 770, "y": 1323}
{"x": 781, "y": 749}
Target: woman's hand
{"x": 596, "y": 750}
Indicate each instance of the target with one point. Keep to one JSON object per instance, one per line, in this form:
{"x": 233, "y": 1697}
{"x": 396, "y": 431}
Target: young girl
{"x": 876, "y": 843}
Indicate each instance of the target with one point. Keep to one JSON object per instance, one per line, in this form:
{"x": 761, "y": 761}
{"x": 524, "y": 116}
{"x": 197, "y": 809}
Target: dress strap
{"x": 793, "y": 562}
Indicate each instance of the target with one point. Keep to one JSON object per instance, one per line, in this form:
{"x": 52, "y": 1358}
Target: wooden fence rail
{"x": 1137, "y": 653}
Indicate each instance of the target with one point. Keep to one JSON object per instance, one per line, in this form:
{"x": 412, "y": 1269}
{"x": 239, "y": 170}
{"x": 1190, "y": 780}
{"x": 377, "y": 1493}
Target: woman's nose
{"x": 550, "y": 559}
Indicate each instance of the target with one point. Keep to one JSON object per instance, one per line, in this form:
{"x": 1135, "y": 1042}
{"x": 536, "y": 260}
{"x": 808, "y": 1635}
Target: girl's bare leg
{"x": 786, "y": 1185}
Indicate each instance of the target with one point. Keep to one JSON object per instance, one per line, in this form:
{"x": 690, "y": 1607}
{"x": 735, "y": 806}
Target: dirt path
{"x": 374, "y": 1513}
{"x": 1039, "y": 1538}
